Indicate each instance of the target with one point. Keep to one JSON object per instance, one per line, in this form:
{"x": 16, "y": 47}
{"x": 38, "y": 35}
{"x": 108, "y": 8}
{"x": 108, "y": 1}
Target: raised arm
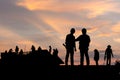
{"x": 112, "y": 53}
{"x": 77, "y": 39}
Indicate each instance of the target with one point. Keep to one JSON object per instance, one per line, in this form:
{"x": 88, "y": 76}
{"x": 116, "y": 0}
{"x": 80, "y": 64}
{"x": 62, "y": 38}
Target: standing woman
{"x": 96, "y": 56}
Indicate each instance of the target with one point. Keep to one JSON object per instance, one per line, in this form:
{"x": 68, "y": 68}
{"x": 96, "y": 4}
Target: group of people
{"x": 84, "y": 42}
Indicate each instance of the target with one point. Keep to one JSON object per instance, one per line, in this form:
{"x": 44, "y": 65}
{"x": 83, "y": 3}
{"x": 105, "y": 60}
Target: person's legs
{"x": 72, "y": 58}
{"x": 110, "y": 61}
{"x": 81, "y": 57}
{"x": 66, "y": 57}
{"x": 87, "y": 57}
{"x": 107, "y": 62}
{"x": 97, "y": 63}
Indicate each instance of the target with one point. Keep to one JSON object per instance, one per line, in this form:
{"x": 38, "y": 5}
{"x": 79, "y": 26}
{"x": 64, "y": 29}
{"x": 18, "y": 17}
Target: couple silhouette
{"x": 70, "y": 44}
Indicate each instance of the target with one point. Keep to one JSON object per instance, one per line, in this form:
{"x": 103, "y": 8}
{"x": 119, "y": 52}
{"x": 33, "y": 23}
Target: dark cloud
{"x": 73, "y": 16}
{"x": 26, "y": 24}
{"x": 113, "y": 17}
{"x": 13, "y": 17}
{"x": 19, "y": 20}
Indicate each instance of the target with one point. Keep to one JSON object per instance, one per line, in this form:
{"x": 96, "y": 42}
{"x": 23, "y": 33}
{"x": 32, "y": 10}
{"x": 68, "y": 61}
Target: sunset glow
{"x": 47, "y": 22}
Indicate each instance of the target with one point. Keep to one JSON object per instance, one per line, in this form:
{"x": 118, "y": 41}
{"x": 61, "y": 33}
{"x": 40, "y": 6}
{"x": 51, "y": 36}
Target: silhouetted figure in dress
{"x": 70, "y": 47}
{"x": 84, "y": 41}
{"x": 108, "y": 55}
{"x": 96, "y": 56}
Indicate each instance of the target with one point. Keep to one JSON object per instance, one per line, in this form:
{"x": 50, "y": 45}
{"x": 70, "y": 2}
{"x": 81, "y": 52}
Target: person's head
{"x": 72, "y": 31}
{"x": 95, "y": 50}
{"x": 84, "y": 31}
{"x": 109, "y": 46}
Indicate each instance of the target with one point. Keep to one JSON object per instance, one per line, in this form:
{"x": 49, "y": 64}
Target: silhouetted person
{"x": 21, "y": 52}
{"x": 50, "y": 49}
{"x": 17, "y": 49}
{"x": 33, "y": 49}
{"x": 39, "y": 49}
{"x": 6, "y": 52}
{"x": 55, "y": 52}
{"x": 108, "y": 54}
{"x": 84, "y": 41}
{"x": 10, "y": 51}
{"x": 96, "y": 56}
{"x": 70, "y": 47}
{"x": 117, "y": 62}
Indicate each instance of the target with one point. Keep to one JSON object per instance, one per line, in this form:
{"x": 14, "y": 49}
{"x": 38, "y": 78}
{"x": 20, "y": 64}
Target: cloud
{"x": 57, "y": 17}
{"x": 8, "y": 39}
{"x": 116, "y": 28}
{"x": 21, "y": 21}
{"x": 104, "y": 35}
{"x": 117, "y": 40}
{"x": 36, "y": 4}
{"x": 93, "y": 7}
{"x": 10, "y": 34}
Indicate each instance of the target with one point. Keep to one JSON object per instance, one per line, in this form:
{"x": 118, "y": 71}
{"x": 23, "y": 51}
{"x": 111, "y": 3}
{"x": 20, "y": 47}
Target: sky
{"x": 47, "y": 22}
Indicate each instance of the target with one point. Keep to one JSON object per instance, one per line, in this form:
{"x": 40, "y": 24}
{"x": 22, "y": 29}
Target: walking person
{"x": 108, "y": 55}
{"x": 84, "y": 41}
{"x": 70, "y": 47}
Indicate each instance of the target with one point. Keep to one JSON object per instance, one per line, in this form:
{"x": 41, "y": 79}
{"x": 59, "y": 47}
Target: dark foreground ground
{"x": 37, "y": 72}
{"x": 45, "y": 66}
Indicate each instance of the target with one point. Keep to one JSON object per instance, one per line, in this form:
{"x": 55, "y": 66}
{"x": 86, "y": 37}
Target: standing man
{"x": 108, "y": 54}
{"x": 84, "y": 41}
{"x": 70, "y": 47}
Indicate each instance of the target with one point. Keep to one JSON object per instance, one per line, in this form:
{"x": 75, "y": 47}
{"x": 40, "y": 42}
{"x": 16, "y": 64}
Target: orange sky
{"x": 47, "y": 22}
